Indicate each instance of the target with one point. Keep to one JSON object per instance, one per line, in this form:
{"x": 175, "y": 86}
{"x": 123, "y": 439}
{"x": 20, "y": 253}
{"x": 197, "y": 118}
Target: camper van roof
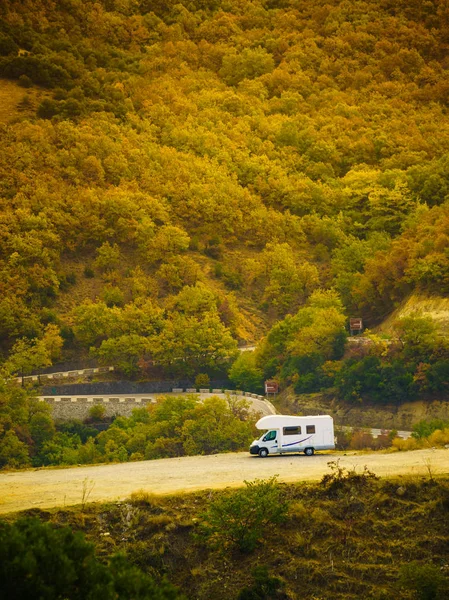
{"x": 276, "y": 421}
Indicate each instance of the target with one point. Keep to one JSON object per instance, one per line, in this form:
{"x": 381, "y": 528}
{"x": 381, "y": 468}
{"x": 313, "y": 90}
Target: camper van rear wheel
{"x": 263, "y": 453}
{"x": 309, "y": 451}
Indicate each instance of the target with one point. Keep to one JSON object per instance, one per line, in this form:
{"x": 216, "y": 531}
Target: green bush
{"x": 341, "y": 479}
{"x": 426, "y": 581}
{"x": 113, "y": 296}
{"x": 424, "y": 428}
{"x": 41, "y": 561}
{"x": 264, "y": 587}
{"x": 202, "y": 380}
{"x": 88, "y": 272}
{"x": 372, "y": 379}
{"x": 97, "y": 412}
{"x": 240, "y": 519}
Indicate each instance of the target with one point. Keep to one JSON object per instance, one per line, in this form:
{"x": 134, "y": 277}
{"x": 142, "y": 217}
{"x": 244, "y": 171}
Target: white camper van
{"x": 286, "y": 433}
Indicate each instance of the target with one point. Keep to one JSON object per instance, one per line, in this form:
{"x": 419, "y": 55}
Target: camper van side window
{"x": 310, "y": 428}
{"x": 271, "y": 435}
{"x": 292, "y": 430}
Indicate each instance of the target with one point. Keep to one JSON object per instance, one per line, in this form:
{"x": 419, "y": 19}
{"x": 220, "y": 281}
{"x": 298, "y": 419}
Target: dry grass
{"x": 344, "y": 540}
{"x": 433, "y": 306}
{"x": 11, "y": 101}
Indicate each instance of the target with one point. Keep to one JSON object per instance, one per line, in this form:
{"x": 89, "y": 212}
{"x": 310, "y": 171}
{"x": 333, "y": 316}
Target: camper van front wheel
{"x": 263, "y": 453}
{"x": 309, "y": 451}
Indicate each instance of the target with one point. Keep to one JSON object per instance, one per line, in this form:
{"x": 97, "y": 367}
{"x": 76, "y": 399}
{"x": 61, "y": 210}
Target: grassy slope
{"x": 342, "y": 542}
{"x": 11, "y": 101}
{"x": 436, "y": 307}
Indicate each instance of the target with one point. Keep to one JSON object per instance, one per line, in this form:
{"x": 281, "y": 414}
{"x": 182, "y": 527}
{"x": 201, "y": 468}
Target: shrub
{"x": 143, "y": 498}
{"x": 425, "y": 428}
{"x": 439, "y": 438}
{"x": 241, "y": 518}
{"x": 89, "y": 272}
{"x": 341, "y": 478}
{"x": 265, "y": 587}
{"x": 108, "y": 257}
{"x": 343, "y": 439}
{"x": 426, "y": 581}
{"x": 361, "y": 440}
{"x": 401, "y": 444}
{"x": 97, "y": 412}
{"x": 25, "y": 81}
{"x": 202, "y": 380}
{"x": 113, "y": 296}
{"x": 41, "y": 561}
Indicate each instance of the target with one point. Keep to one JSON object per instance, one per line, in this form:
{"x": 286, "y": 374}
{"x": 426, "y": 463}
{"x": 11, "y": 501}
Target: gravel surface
{"x": 45, "y": 488}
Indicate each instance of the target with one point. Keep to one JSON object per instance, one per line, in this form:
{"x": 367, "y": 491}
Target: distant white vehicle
{"x": 286, "y": 433}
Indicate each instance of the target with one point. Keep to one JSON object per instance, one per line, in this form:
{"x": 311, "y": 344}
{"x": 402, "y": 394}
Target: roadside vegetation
{"x": 349, "y": 536}
{"x": 174, "y": 426}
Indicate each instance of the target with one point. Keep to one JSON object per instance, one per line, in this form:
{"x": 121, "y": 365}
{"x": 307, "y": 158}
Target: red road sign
{"x": 271, "y": 387}
{"x": 355, "y": 324}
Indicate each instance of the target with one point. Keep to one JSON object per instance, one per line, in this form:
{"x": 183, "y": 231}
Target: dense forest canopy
{"x": 176, "y": 177}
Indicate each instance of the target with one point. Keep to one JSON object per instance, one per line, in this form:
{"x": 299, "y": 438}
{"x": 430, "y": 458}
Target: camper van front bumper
{"x": 254, "y": 450}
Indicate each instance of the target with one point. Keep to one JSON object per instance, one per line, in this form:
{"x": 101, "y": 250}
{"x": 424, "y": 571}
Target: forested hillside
{"x": 176, "y": 178}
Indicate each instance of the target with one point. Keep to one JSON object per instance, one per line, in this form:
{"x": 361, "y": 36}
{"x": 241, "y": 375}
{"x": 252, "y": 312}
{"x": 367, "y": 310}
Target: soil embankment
{"x": 385, "y": 416}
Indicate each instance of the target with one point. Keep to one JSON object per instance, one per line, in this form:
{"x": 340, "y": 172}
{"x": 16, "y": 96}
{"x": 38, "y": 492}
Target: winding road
{"x": 50, "y": 487}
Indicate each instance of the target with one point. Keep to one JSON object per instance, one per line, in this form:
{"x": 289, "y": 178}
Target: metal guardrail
{"x": 145, "y": 398}
{"x": 63, "y": 374}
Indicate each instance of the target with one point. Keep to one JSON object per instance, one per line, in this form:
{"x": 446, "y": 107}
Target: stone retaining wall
{"x": 65, "y": 408}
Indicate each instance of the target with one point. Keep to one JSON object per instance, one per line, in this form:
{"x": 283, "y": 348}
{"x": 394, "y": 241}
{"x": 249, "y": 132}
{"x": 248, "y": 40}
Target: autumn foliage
{"x": 182, "y": 177}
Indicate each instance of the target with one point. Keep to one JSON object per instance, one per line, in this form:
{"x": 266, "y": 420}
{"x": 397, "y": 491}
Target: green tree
{"x": 287, "y": 282}
{"x": 213, "y": 428}
{"x": 108, "y": 257}
{"x": 189, "y": 344}
{"x": 248, "y": 64}
{"x": 30, "y": 355}
{"x": 93, "y": 322}
{"x": 42, "y": 428}
{"x": 418, "y": 336}
{"x": 124, "y": 352}
{"x": 246, "y": 374}
{"x": 13, "y": 452}
{"x": 38, "y": 560}
{"x": 312, "y": 336}
{"x": 425, "y": 428}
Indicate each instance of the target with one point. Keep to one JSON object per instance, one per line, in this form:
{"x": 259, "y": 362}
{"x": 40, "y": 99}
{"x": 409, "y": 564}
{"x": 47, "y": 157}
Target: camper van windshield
{"x": 271, "y": 435}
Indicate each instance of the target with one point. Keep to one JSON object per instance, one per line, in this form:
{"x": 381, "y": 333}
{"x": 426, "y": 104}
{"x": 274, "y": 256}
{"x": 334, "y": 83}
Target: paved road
{"x": 45, "y": 488}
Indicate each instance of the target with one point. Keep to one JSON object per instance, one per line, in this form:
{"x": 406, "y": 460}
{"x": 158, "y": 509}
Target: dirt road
{"x": 45, "y": 488}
